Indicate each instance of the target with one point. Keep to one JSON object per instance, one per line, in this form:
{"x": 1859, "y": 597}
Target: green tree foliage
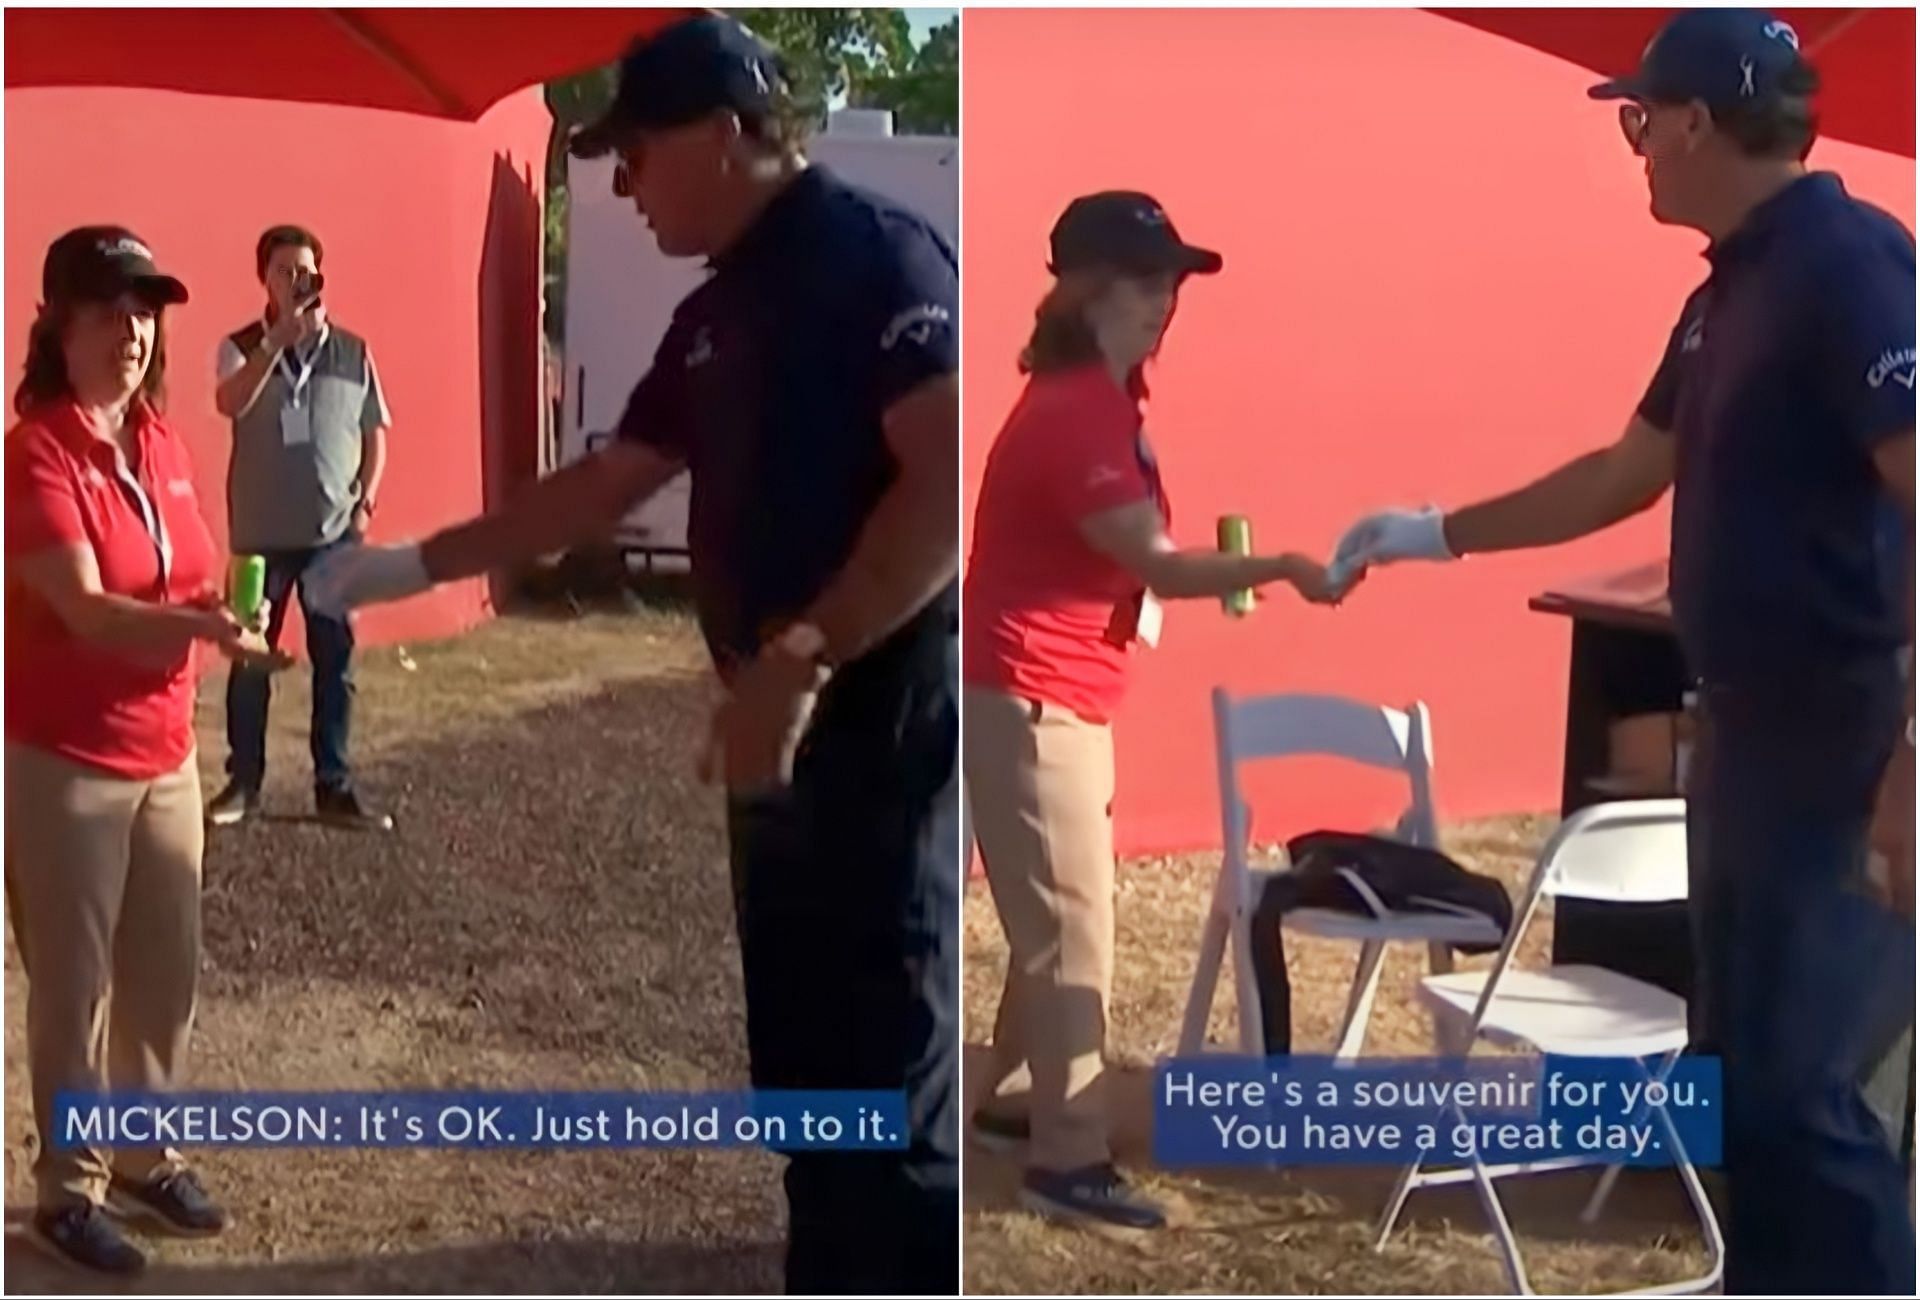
{"x": 829, "y": 52}
{"x": 924, "y": 94}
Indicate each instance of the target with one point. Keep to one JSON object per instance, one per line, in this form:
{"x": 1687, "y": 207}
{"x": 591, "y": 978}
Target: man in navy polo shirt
{"x": 809, "y": 384}
{"x": 1782, "y": 416}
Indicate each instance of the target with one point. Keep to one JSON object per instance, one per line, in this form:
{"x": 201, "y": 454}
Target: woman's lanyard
{"x": 149, "y": 515}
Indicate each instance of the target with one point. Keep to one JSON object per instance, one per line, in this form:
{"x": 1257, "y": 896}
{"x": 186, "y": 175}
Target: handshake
{"x": 1379, "y": 538}
{"x": 1384, "y": 537}
{"x": 1387, "y": 537}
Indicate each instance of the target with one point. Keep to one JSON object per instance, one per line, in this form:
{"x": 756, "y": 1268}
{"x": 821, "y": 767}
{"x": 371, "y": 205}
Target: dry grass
{"x": 551, "y": 911}
{"x": 1306, "y": 1231}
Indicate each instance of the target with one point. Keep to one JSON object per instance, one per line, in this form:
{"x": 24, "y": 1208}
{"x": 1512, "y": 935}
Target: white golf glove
{"x": 365, "y": 575}
{"x": 1387, "y": 537}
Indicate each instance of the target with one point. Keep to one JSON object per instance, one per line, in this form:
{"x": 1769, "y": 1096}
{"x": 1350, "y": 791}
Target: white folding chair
{"x": 1629, "y": 852}
{"x": 1289, "y": 726}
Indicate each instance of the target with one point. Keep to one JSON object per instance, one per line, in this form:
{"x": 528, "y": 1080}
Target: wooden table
{"x": 1625, "y": 661}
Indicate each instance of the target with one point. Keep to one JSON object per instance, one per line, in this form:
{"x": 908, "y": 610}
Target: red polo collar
{"x": 68, "y": 423}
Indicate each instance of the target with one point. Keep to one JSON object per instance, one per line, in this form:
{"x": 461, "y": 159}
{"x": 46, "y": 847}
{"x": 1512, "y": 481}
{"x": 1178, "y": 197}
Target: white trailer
{"x": 621, "y": 291}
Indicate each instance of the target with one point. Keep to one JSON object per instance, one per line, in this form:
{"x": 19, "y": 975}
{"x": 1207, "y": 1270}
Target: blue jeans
{"x": 846, "y": 895}
{"x": 330, "y": 647}
{"x": 1805, "y": 980}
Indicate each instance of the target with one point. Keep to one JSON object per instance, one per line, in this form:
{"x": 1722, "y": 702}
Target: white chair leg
{"x": 1366, "y": 979}
{"x": 1402, "y": 1188}
{"x": 1502, "y": 1230}
{"x": 1601, "y": 1192}
{"x": 1702, "y": 1209}
{"x": 1611, "y": 1176}
{"x": 1483, "y": 1175}
{"x": 1206, "y": 977}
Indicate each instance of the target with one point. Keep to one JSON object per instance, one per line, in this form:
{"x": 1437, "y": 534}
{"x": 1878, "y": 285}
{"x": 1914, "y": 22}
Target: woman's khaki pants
{"x": 103, "y": 885}
{"x": 1040, "y": 787}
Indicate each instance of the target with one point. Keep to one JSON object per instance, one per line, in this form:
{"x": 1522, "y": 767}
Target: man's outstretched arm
{"x": 572, "y": 506}
{"x": 580, "y": 503}
{"x": 1586, "y": 495}
{"x": 1583, "y": 496}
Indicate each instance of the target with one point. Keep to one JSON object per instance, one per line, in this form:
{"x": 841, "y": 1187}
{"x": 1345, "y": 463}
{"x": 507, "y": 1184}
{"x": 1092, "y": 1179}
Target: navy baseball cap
{"x": 1722, "y": 57}
{"x": 679, "y": 75}
{"x": 99, "y": 263}
{"x": 1124, "y": 229}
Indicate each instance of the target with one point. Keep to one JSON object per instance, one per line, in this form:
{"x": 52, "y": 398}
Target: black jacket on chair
{"x": 1364, "y": 875}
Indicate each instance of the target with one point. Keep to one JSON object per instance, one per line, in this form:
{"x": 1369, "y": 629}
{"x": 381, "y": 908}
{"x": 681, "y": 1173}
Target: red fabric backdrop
{"x": 1441, "y": 279}
{"x": 432, "y": 253}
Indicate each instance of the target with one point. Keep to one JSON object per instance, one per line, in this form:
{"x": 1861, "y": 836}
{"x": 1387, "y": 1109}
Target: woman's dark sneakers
{"x": 84, "y": 1237}
{"x": 1093, "y": 1195}
{"x": 175, "y": 1202}
{"x": 998, "y": 1132}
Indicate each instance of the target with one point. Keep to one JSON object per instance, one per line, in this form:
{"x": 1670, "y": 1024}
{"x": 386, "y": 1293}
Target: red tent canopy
{"x": 1865, "y": 57}
{"x": 452, "y": 63}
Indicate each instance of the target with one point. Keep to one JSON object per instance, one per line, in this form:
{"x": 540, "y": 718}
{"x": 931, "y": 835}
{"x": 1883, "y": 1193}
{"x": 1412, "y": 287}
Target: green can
{"x": 1236, "y": 538}
{"x": 246, "y": 586}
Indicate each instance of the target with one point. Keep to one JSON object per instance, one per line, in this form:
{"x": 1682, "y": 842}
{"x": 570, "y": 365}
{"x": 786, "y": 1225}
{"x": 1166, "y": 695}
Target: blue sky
{"x": 925, "y": 20}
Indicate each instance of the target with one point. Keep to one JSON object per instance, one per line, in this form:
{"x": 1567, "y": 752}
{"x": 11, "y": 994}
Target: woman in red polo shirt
{"x": 110, "y": 581}
{"x": 1070, "y": 555}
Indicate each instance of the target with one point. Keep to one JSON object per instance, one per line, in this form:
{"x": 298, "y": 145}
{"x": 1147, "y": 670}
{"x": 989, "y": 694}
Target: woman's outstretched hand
{"x": 245, "y": 643}
{"x": 1314, "y": 582}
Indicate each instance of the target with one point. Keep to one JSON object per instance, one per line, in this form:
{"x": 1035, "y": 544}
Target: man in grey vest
{"x": 309, "y": 448}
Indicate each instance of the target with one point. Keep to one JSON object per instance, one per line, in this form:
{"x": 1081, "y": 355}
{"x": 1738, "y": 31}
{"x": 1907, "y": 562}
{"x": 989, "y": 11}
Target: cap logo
{"x": 759, "y": 75}
{"x": 915, "y": 324}
{"x": 124, "y": 248}
{"x": 1779, "y": 31}
{"x": 1150, "y": 216}
{"x": 1746, "y": 75}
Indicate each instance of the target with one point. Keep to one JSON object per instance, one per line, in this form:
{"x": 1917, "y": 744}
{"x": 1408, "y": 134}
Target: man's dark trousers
{"x": 1805, "y": 980}
{"x": 330, "y": 647}
{"x": 846, "y": 890}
